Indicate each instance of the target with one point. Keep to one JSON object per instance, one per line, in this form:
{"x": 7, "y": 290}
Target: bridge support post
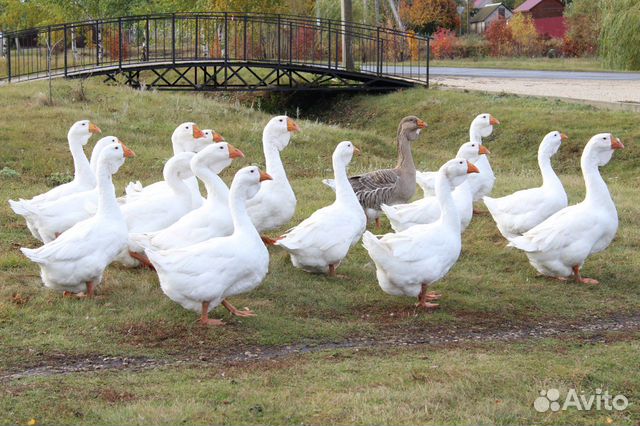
{"x": 64, "y": 42}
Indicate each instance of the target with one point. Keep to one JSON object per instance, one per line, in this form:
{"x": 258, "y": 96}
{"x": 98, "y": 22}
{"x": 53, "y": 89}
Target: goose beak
{"x": 235, "y": 152}
{"x": 217, "y": 137}
{"x": 493, "y": 121}
{"x": 563, "y": 137}
{"x": 422, "y": 124}
{"x": 197, "y": 133}
{"x": 265, "y": 176}
{"x": 616, "y": 143}
{"x": 94, "y": 129}
{"x": 471, "y": 168}
{"x": 484, "y": 150}
{"x": 356, "y": 151}
{"x": 128, "y": 152}
{"x": 292, "y": 126}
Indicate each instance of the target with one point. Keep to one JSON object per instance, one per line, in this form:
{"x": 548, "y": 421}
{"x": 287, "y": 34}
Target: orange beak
{"x": 356, "y": 151}
{"x": 217, "y": 137}
{"x": 563, "y": 137}
{"x": 616, "y": 143}
{"x": 235, "y": 152}
{"x": 484, "y": 150}
{"x": 94, "y": 129}
{"x": 197, "y": 133}
{"x": 422, "y": 124}
{"x": 493, "y": 121}
{"x": 292, "y": 126}
{"x": 128, "y": 152}
{"x": 265, "y": 176}
{"x": 471, "y": 168}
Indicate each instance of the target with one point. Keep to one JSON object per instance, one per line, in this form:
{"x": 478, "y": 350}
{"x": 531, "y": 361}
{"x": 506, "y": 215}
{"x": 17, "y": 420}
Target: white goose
{"x": 187, "y": 137}
{"x": 482, "y": 183}
{"x": 83, "y": 177}
{"x": 76, "y": 260}
{"x": 427, "y": 209}
{"x": 321, "y": 241}
{"x": 159, "y": 209}
{"x": 559, "y": 246}
{"x": 408, "y": 262}
{"x": 202, "y": 276}
{"x": 211, "y": 220}
{"x": 517, "y": 213}
{"x": 275, "y": 203}
{"x": 53, "y": 217}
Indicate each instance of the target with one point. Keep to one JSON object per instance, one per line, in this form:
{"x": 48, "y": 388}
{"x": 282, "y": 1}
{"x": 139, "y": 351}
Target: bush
{"x": 500, "y": 38}
{"x": 112, "y": 44}
{"x": 584, "y": 26}
{"x": 620, "y": 36}
{"x": 443, "y": 44}
{"x": 524, "y": 34}
{"x": 8, "y": 173}
{"x": 471, "y": 46}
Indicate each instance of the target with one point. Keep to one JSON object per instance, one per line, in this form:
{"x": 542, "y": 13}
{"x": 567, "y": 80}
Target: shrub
{"x": 58, "y": 178}
{"x": 8, "y": 173}
{"x": 425, "y": 16}
{"x": 471, "y": 46}
{"x": 584, "y": 26}
{"x": 525, "y": 35}
{"x": 414, "y": 45}
{"x": 112, "y": 44}
{"x": 620, "y": 36}
{"x": 443, "y": 44}
{"x": 499, "y": 37}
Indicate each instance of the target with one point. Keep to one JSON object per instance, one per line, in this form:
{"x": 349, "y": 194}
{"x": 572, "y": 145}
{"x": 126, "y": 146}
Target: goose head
{"x": 215, "y": 157}
{"x": 344, "y": 152}
{"x": 278, "y": 130}
{"x": 113, "y": 155}
{"x": 471, "y": 151}
{"x": 184, "y": 137}
{"x": 455, "y": 171}
{"x": 211, "y": 136}
{"x": 410, "y": 127}
{"x": 551, "y": 143}
{"x": 97, "y": 149}
{"x": 247, "y": 180}
{"x": 601, "y": 146}
{"x": 483, "y": 124}
{"x": 82, "y": 130}
{"x": 178, "y": 166}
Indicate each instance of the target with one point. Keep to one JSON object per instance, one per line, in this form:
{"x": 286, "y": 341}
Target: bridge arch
{"x": 221, "y": 51}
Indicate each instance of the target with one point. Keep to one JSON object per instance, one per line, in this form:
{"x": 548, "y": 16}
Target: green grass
{"x": 543, "y": 64}
{"x": 480, "y": 384}
{"x": 491, "y": 286}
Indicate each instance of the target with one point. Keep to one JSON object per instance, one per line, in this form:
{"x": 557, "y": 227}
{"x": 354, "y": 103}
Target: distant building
{"x": 482, "y": 3}
{"x": 479, "y": 22}
{"x": 547, "y": 16}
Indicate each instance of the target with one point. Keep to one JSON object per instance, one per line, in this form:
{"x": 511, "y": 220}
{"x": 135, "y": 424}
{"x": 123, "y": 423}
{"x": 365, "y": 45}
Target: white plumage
{"x": 320, "y": 242}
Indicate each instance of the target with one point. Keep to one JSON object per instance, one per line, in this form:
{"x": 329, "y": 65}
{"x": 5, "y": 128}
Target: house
{"x": 479, "y": 22}
{"x": 478, "y": 4}
{"x": 547, "y": 16}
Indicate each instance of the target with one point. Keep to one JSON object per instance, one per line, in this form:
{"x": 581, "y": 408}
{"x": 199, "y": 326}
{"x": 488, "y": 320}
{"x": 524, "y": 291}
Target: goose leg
{"x": 144, "y": 260}
{"x": 237, "y": 312}
{"x": 268, "y": 241}
{"x": 56, "y": 234}
{"x": 332, "y": 271}
{"x": 89, "y": 294}
{"x": 423, "y": 299}
{"x": 90, "y": 289}
{"x": 204, "y": 316}
{"x": 378, "y": 223}
{"x": 582, "y": 280}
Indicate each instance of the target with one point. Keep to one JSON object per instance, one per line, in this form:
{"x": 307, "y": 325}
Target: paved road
{"x": 506, "y": 73}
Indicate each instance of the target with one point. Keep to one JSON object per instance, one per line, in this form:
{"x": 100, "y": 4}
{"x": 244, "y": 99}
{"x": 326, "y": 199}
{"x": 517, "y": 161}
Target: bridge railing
{"x": 225, "y": 37}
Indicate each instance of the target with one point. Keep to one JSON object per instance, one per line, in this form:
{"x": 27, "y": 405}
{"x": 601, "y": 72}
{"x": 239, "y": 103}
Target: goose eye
{"x": 280, "y": 120}
{"x": 221, "y": 147}
{"x": 84, "y": 124}
{"x": 117, "y": 148}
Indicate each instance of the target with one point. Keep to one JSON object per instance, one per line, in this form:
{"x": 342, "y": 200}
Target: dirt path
{"x": 593, "y": 330}
{"x": 623, "y": 94}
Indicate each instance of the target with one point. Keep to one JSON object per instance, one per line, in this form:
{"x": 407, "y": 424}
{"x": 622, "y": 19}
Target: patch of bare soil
{"x": 593, "y": 330}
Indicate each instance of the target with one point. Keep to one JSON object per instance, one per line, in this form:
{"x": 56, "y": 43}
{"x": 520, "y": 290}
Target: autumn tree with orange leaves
{"x": 426, "y": 16}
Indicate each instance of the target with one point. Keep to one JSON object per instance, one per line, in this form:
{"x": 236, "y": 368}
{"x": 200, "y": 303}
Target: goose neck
{"x": 242, "y": 223}
{"x": 549, "y": 177}
{"x": 448, "y": 211}
{"x": 405, "y": 157}
{"x": 597, "y": 191}
{"x": 273, "y": 162}
{"x": 82, "y": 168}
{"x": 344, "y": 190}
{"x": 217, "y": 191}
{"x": 107, "y": 203}
{"x": 475, "y": 135}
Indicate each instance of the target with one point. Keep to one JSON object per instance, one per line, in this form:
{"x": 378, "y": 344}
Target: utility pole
{"x": 346, "y": 9}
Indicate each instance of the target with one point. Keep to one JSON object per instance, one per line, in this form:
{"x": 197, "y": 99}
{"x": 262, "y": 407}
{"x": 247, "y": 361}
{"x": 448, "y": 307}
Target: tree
{"x": 524, "y": 33}
{"x": 426, "y": 16}
{"x": 584, "y": 22}
{"x": 499, "y": 37}
{"x": 620, "y": 36}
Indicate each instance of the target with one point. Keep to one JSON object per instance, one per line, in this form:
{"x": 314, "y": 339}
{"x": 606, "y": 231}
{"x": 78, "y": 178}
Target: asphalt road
{"x": 507, "y": 73}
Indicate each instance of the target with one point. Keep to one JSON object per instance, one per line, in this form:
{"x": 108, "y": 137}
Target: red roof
{"x": 527, "y": 5}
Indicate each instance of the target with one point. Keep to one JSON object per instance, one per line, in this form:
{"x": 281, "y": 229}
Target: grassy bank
{"x": 490, "y": 287}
